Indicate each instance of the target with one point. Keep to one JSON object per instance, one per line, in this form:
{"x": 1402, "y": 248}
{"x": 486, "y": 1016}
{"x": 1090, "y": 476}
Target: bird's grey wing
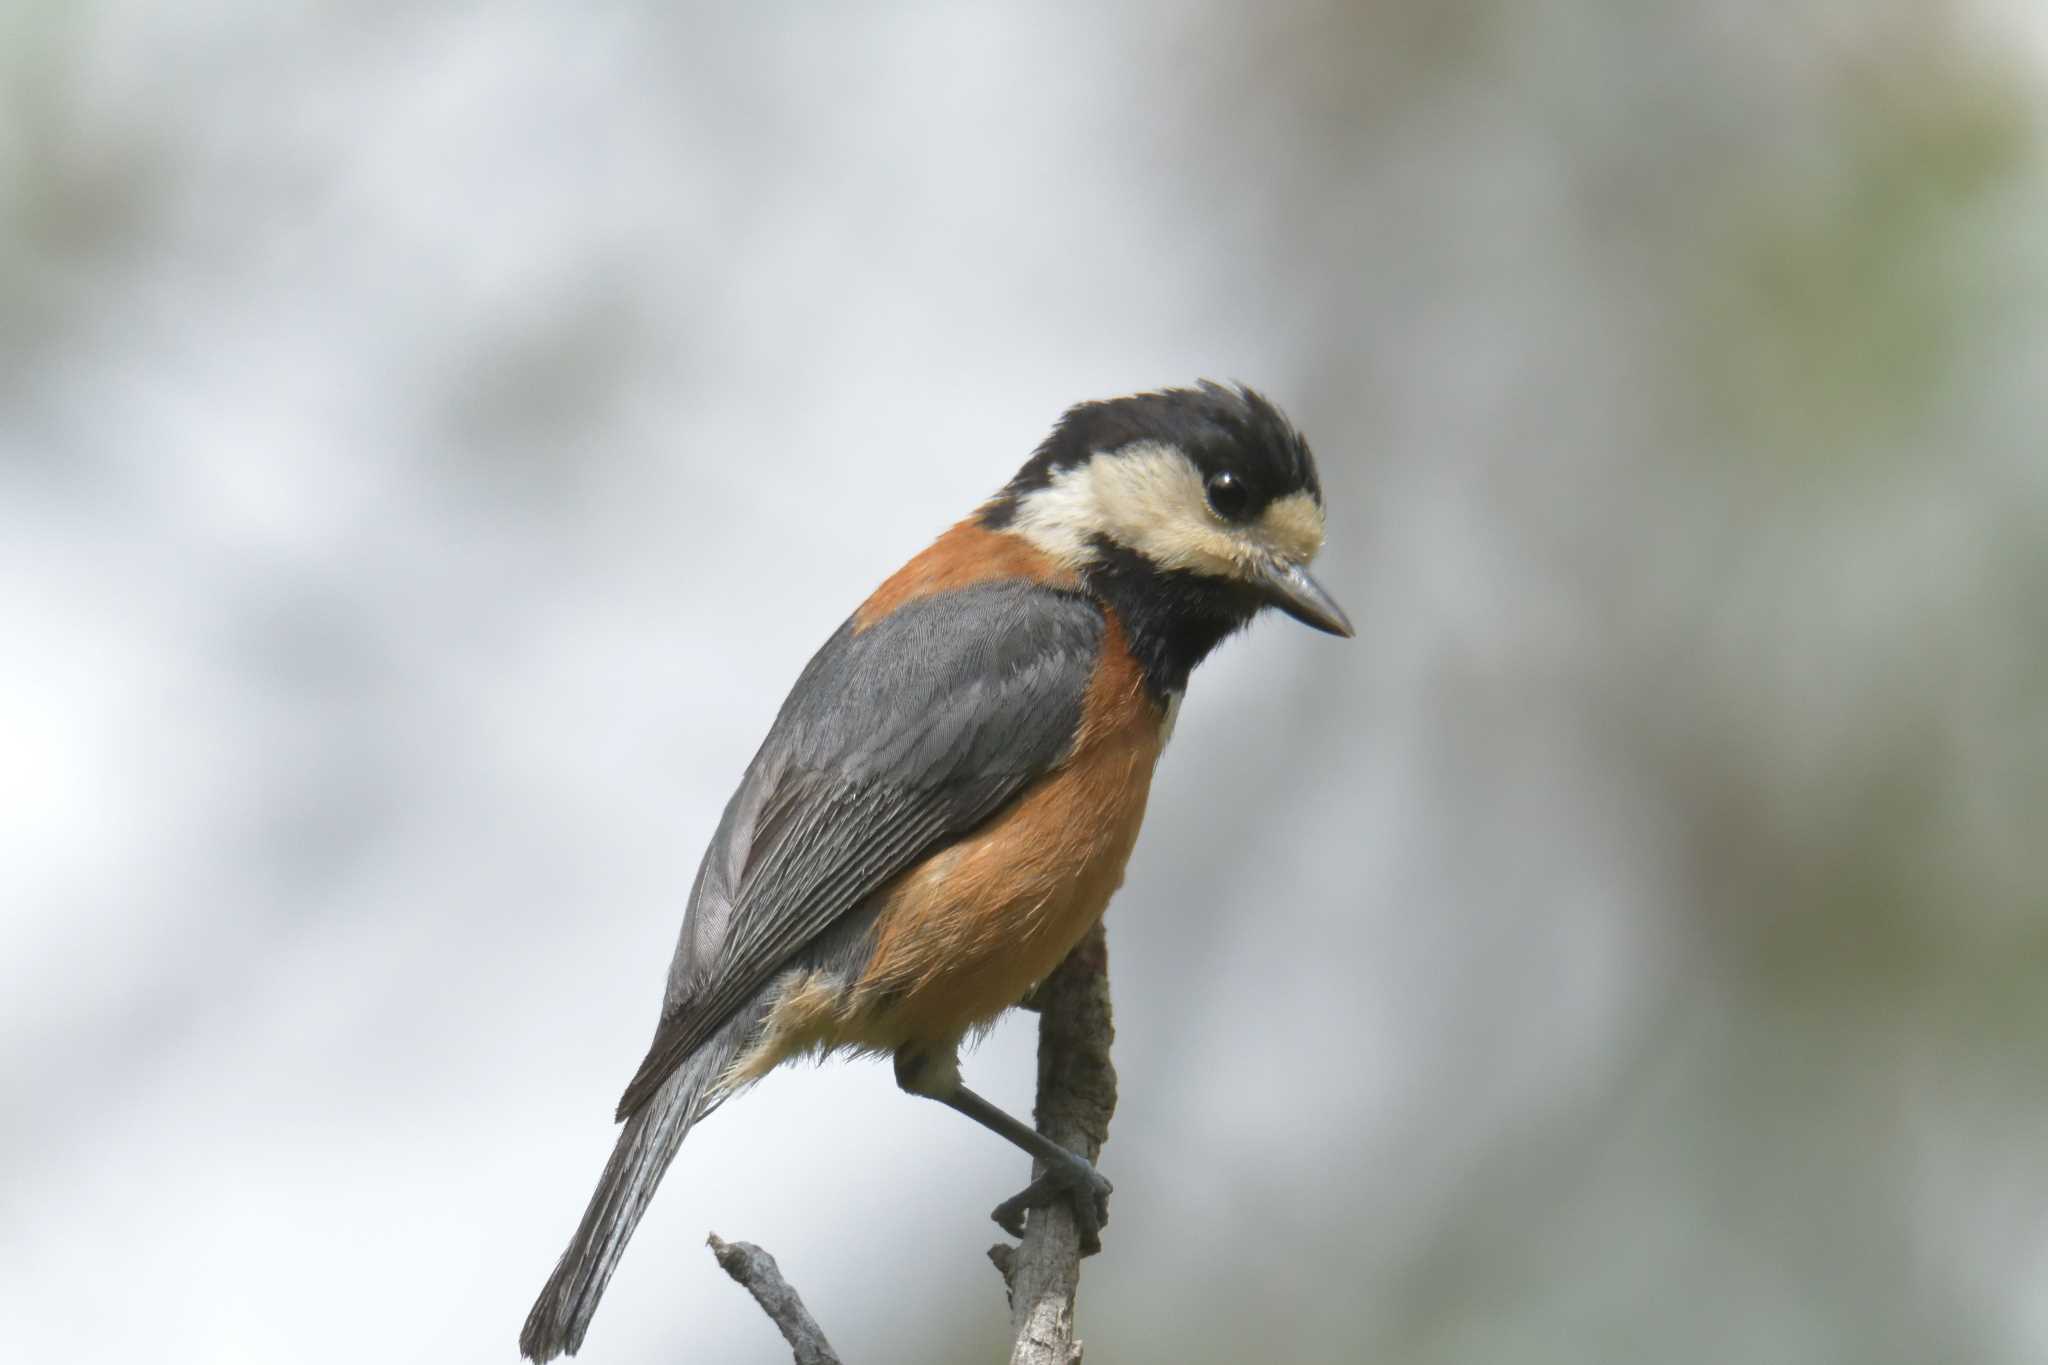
{"x": 897, "y": 739}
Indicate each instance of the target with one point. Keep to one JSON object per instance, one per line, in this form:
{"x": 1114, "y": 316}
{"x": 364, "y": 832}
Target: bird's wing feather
{"x": 896, "y": 739}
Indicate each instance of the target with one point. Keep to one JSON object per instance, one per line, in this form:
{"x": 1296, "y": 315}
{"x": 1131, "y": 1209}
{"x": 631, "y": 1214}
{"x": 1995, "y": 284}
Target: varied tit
{"x": 947, "y": 799}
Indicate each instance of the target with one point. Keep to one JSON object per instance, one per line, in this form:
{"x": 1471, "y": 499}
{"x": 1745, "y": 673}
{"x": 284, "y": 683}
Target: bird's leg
{"x": 936, "y": 1076}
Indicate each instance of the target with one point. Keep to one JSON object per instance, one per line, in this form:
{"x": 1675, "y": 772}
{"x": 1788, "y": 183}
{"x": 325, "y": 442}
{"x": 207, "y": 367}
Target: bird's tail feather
{"x": 646, "y": 1146}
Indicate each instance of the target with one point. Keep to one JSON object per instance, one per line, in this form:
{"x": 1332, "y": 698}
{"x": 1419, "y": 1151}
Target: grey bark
{"x": 1076, "y": 1097}
{"x": 757, "y": 1272}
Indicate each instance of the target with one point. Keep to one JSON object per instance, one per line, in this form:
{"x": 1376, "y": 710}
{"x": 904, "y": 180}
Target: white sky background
{"x": 432, "y": 440}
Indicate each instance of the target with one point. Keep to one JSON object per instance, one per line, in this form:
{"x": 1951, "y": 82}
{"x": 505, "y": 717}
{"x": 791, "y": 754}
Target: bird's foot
{"x": 1086, "y": 1190}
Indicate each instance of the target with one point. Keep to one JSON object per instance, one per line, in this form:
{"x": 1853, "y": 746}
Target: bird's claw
{"x": 1086, "y": 1190}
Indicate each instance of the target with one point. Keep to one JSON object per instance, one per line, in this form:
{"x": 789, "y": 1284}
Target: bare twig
{"x": 757, "y": 1272}
{"x": 1076, "y": 1097}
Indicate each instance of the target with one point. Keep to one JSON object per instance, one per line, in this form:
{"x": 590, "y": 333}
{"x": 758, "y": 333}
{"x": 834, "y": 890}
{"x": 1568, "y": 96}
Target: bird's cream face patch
{"x": 1149, "y": 498}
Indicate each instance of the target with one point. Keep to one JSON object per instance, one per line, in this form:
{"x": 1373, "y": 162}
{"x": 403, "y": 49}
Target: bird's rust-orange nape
{"x": 965, "y": 934}
{"x": 967, "y": 554}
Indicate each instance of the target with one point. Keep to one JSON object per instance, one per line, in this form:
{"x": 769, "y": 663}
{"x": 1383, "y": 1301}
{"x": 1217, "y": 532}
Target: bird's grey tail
{"x": 645, "y": 1147}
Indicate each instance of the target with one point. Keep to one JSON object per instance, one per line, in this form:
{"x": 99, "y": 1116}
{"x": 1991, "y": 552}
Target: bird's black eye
{"x": 1228, "y": 495}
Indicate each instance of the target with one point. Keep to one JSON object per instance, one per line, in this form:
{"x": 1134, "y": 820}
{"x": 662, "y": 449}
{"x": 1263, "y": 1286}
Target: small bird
{"x": 947, "y": 799}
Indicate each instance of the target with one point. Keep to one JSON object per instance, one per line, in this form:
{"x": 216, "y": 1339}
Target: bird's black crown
{"x": 1221, "y": 429}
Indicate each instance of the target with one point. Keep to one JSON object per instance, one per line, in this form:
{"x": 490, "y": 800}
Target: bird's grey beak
{"x": 1289, "y": 587}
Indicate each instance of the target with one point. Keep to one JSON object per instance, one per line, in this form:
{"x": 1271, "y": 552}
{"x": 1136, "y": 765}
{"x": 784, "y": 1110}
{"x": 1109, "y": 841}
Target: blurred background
{"x": 432, "y": 437}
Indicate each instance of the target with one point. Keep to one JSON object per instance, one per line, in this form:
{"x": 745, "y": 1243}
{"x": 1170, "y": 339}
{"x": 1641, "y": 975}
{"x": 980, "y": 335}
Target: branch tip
{"x": 755, "y": 1271}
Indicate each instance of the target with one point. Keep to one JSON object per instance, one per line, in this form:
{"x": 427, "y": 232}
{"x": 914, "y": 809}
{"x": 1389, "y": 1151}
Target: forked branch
{"x": 1076, "y": 1098}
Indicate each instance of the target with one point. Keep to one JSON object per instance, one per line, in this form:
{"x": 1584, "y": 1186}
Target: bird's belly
{"x": 964, "y": 935}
